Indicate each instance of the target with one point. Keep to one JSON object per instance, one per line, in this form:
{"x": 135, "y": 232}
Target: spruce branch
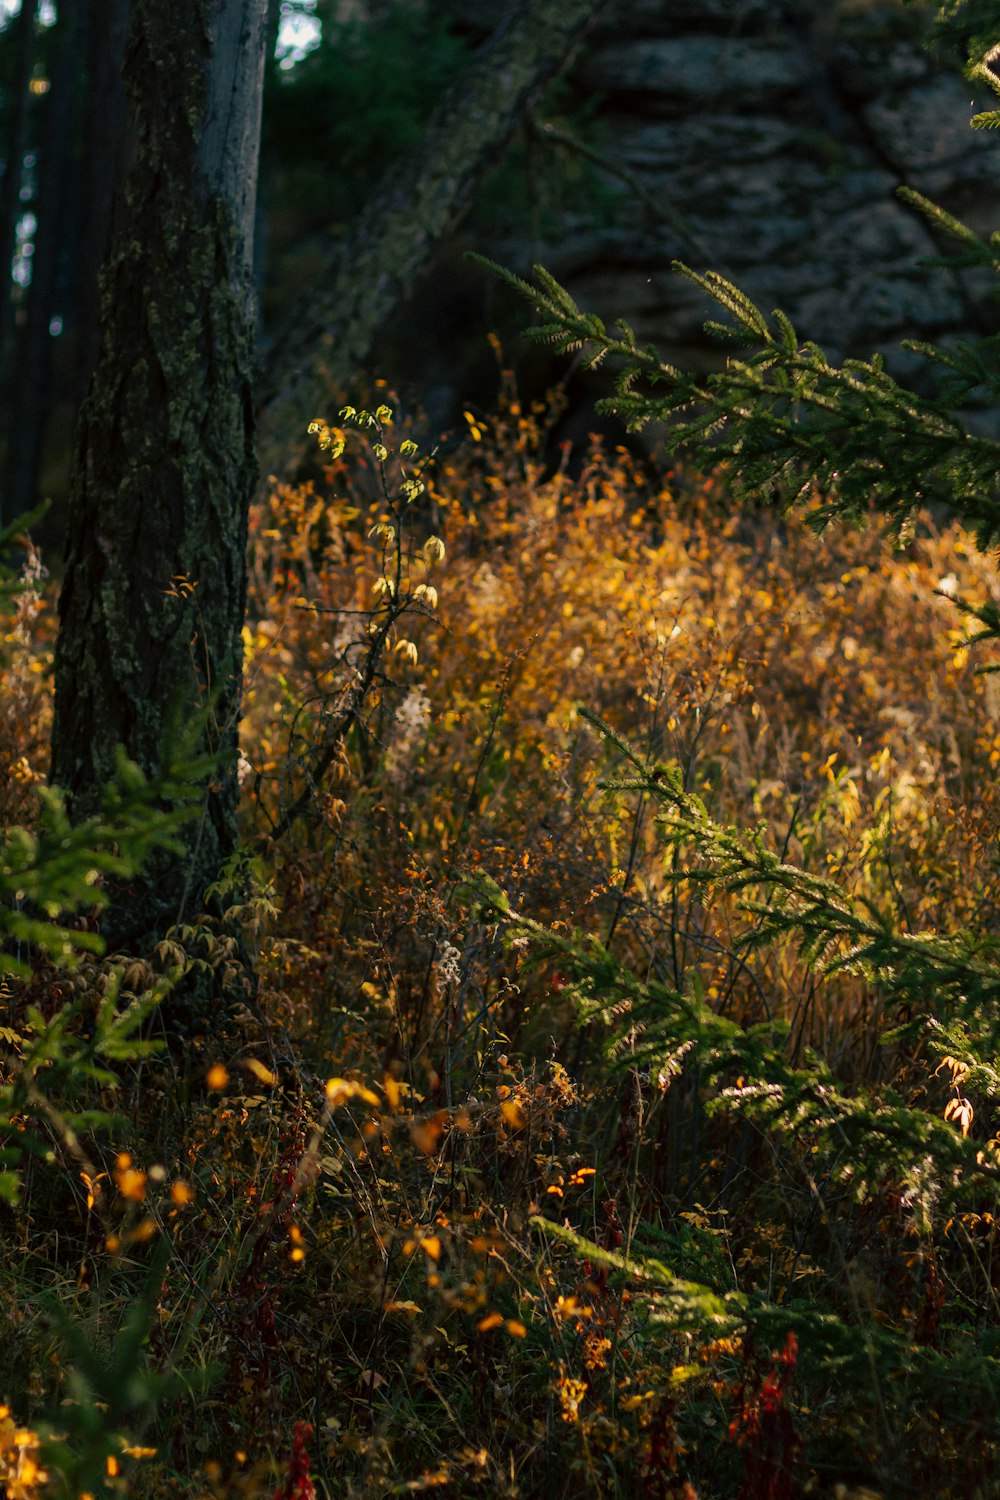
{"x": 788, "y": 422}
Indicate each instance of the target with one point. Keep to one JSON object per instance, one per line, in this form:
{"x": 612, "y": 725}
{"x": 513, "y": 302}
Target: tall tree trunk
{"x": 331, "y": 330}
{"x": 31, "y": 388}
{"x": 260, "y": 246}
{"x": 23, "y": 39}
{"x": 104, "y": 127}
{"x": 153, "y": 600}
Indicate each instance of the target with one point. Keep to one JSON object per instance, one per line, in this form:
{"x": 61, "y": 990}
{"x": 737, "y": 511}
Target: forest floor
{"x": 424, "y": 1213}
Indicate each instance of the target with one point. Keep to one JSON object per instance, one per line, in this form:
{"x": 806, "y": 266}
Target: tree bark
{"x": 107, "y": 28}
{"x": 153, "y": 600}
{"x": 331, "y": 330}
{"x": 260, "y": 237}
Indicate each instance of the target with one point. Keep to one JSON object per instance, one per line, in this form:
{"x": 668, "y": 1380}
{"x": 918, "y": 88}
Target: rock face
{"x": 767, "y": 139}
{"x": 778, "y": 133}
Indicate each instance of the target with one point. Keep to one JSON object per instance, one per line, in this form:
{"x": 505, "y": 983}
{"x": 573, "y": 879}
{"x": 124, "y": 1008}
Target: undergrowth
{"x": 547, "y": 1159}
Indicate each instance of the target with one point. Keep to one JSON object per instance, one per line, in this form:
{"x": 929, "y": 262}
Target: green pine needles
{"x": 785, "y": 419}
{"x": 789, "y": 424}
{"x": 57, "y": 1066}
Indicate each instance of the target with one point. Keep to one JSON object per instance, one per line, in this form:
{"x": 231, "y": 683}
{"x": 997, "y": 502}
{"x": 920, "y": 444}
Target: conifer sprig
{"x": 788, "y": 422}
{"x": 865, "y": 1135}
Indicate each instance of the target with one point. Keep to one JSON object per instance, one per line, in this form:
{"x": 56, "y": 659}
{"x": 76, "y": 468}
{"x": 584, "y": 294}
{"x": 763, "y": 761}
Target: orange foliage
{"x": 348, "y": 1172}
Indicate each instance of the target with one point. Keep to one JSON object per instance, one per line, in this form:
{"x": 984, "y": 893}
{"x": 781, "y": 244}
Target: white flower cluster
{"x": 448, "y": 965}
{"x": 29, "y": 598}
{"x": 412, "y": 718}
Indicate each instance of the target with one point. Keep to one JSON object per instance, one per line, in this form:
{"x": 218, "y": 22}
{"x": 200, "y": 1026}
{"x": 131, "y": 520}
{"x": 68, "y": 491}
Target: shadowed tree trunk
{"x": 23, "y": 40}
{"x": 30, "y": 386}
{"x": 331, "y": 331}
{"x": 153, "y": 600}
{"x": 260, "y": 236}
{"x": 107, "y": 26}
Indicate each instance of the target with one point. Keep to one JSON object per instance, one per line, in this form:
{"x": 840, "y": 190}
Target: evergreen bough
{"x": 787, "y": 422}
{"x": 53, "y": 1066}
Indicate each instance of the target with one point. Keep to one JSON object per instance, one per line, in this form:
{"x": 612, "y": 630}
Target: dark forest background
{"x": 348, "y": 90}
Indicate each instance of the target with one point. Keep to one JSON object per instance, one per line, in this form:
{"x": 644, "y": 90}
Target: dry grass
{"x": 347, "y": 1181}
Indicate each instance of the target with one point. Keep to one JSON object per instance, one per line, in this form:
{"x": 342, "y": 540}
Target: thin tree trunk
{"x": 153, "y": 601}
{"x": 10, "y": 208}
{"x": 260, "y": 245}
{"x": 31, "y": 390}
{"x": 332, "y": 329}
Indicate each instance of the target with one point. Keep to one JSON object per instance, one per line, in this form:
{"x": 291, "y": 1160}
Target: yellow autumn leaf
{"x": 338, "y": 1090}
{"x": 391, "y": 1090}
{"x": 513, "y": 1114}
{"x": 426, "y": 1133}
{"x": 260, "y": 1072}
{"x": 131, "y": 1184}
